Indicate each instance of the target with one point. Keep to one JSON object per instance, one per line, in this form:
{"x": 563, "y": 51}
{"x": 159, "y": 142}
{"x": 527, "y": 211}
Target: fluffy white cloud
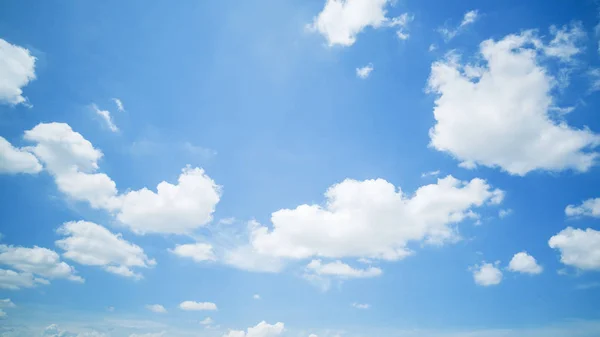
{"x": 590, "y": 207}
{"x": 365, "y": 71}
{"x": 246, "y": 257}
{"x": 72, "y": 160}
{"x": 14, "y": 160}
{"x": 524, "y": 263}
{"x": 340, "y": 269}
{"x": 262, "y": 329}
{"x": 497, "y": 114}
{"x": 157, "y": 308}
{"x": 106, "y": 118}
{"x": 469, "y": 18}
{"x": 361, "y": 305}
{"x": 566, "y": 41}
{"x": 578, "y": 248}
{"x": 341, "y": 21}
{"x": 17, "y": 69}
{"x": 197, "y": 306}
{"x": 10, "y": 279}
{"x": 87, "y": 242}
{"x": 487, "y": 274}
{"x": 176, "y": 209}
{"x": 198, "y": 252}
{"x": 38, "y": 261}
{"x": 373, "y": 219}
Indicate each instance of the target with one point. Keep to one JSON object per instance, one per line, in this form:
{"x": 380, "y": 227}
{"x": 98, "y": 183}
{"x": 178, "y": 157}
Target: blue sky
{"x": 300, "y": 168}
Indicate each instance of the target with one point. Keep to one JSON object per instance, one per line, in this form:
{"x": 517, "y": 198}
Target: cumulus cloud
{"x": 106, "y": 118}
{"x": 524, "y": 263}
{"x": 373, "y": 219}
{"x": 157, "y": 308}
{"x": 176, "y": 209}
{"x": 341, "y": 21}
{"x": 85, "y": 243}
{"x": 365, "y": 71}
{"x": 578, "y": 248}
{"x": 590, "y": 207}
{"x": 72, "y": 160}
{"x": 514, "y": 91}
{"x": 14, "y": 160}
{"x": 198, "y": 252}
{"x": 42, "y": 262}
{"x": 469, "y": 18}
{"x": 340, "y": 269}
{"x": 262, "y": 329}
{"x": 12, "y": 280}
{"x": 197, "y": 306}
{"x": 172, "y": 209}
{"x": 17, "y": 69}
{"x": 487, "y": 274}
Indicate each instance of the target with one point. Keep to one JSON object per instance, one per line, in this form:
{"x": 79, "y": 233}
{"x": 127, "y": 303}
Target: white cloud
{"x": 176, "y": 209}
{"x": 373, "y": 219}
{"x": 247, "y": 258}
{"x": 361, "y": 305}
{"x": 514, "y": 91}
{"x": 340, "y": 269}
{"x": 157, "y": 308}
{"x": 207, "y": 321}
{"x": 578, "y": 248}
{"x": 106, "y": 118}
{"x": 524, "y": 263}
{"x": 149, "y": 334}
{"x": 14, "y": 160}
{"x": 503, "y": 213}
{"x": 5, "y": 303}
{"x": 430, "y": 174}
{"x": 402, "y": 23}
{"x": 341, "y": 21}
{"x": 17, "y": 69}
{"x": 198, "y": 252}
{"x": 469, "y": 18}
{"x": 365, "y": 71}
{"x": 86, "y": 243}
{"x": 590, "y": 207}
{"x": 256, "y": 296}
{"x": 37, "y": 261}
{"x": 72, "y": 160}
{"x": 12, "y": 280}
{"x": 487, "y": 274}
{"x": 432, "y": 47}
{"x": 566, "y": 41}
{"x": 197, "y": 306}
{"x": 119, "y": 104}
{"x": 262, "y": 329}
{"x": 54, "y": 331}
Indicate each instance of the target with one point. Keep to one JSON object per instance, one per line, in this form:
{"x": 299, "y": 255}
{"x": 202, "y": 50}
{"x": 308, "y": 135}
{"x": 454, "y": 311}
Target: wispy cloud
{"x": 105, "y": 116}
{"x": 365, "y": 71}
{"x": 119, "y": 104}
{"x": 469, "y": 18}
